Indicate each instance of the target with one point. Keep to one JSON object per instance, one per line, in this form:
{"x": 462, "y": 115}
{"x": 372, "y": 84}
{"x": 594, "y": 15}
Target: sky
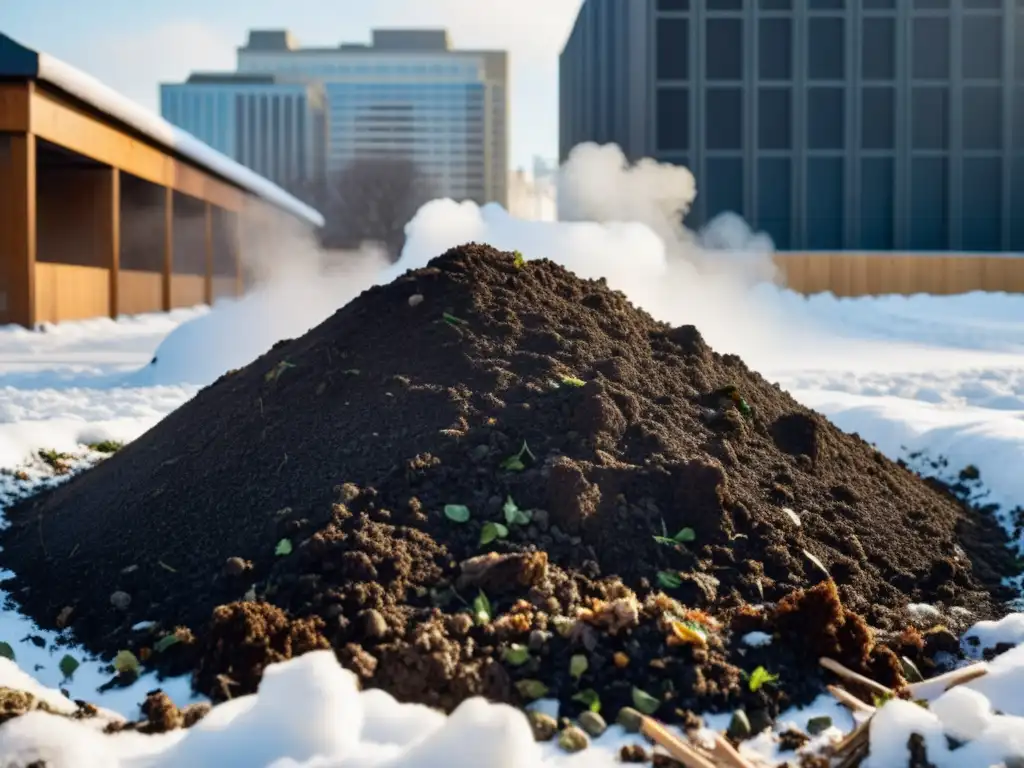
{"x": 133, "y": 45}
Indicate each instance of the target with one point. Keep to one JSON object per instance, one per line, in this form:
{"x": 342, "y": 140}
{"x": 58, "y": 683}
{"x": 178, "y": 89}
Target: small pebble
{"x": 593, "y": 723}
{"x": 739, "y": 726}
{"x": 633, "y": 753}
{"x": 544, "y": 726}
{"x": 121, "y": 600}
{"x": 375, "y": 626}
{"x": 817, "y": 725}
{"x": 235, "y": 566}
{"x": 416, "y": 299}
{"x": 573, "y": 739}
{"x": 630, "y": 719}
{"x": 760, "y": 720}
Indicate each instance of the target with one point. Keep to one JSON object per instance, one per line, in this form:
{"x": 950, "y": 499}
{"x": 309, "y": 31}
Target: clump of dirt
{"x": 490, "y": 477}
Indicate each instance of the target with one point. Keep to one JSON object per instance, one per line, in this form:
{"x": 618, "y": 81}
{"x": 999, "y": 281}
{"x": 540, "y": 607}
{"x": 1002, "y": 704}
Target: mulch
{"x": 469, "y": 479}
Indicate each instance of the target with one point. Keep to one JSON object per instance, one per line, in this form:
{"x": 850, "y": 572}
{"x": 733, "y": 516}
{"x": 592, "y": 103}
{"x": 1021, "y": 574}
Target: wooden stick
{"x": 676, "y": 747}
{"x": 855, "y": 677}
{"x": 727, "y": 755}
{"x": 953, "y": 678}
{"x": 848, "y": 700}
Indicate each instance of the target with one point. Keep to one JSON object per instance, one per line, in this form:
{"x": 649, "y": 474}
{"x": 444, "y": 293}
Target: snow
{"x": 940, "y": 376}
{"x": 107, "y": 100}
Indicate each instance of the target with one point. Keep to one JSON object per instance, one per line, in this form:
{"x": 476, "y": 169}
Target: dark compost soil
{"x": 301, "y": 502}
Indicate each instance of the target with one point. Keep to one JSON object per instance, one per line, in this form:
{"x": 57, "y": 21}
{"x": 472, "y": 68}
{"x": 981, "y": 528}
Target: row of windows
{"x": 981, "y": 55}
{"x": 827, "y": 5}
{"x": 314, "y": 69}
{"x": 827, "y": 188}
{"x": 981, "y": 119}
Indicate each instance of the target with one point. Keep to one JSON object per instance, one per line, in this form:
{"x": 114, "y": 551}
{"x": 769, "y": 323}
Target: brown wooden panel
{"x": 139, "y": 292}
{"x": 67, "y": 292}
{"x": 17, "y": 228}
{"x": 187, "y": 291}
{"x": 66, "y": 125}
{"x": 14, "y": 105}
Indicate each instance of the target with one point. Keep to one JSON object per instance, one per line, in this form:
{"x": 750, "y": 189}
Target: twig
{"x": 855, "y": 677}
{"x": 727, "y": 755}
{"x": 854, "y": 746}
{"x": 848, "y": 700}
{"x": 953, "y": 678}
{"x": 676, "y": 747}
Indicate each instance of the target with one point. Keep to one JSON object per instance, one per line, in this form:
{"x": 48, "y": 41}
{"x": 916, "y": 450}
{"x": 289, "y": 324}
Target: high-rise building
{"x": 275, "y": 127}
{"x": 830, "y": 124}
{"x": 408, "y": 95}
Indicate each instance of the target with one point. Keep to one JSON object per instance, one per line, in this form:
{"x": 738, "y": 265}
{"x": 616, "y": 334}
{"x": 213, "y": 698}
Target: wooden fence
{"x": 867, "y": 274}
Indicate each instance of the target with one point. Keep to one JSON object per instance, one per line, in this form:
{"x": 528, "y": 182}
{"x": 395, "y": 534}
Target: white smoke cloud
{"x": 619, "y": 222}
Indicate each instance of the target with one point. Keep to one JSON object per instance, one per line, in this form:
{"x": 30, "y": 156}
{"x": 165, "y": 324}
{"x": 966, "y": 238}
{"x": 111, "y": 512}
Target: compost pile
{"x": 492, "y": 477}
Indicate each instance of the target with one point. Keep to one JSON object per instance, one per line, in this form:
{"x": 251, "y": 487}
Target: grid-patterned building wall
{"x": 831, "y": 124}
{"x": 278, "y": 130}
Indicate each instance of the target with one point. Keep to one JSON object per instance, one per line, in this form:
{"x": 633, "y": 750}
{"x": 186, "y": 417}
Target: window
{"x": 826, "y": 5}
{"x": 723, "y": 186}
{"x": 931, "y": 48}
{"x": 725, "y": 5}
{"x": 878, "y": 118}
{"x": 982, "y": 52}
{"x": 825, "y": 213}
{"x": 724, "y": 49}
{"x": 776, "y": 5}
{"x": 825, "y": 118}
{"x": 774, "y": 199}
{"x": 982, "y": 117}
{"x": 723, "y": 128}
{"x": 1017, "y": 204}
{"x": 775, "y": 49}
{"x": 673, "y": 60}
{"x": 878, "y": 49}
{"x": 983, "y": 204}
{"x": 877, "y": 199}
{"x": 774, "y": 118}
{"x": 1018, "y": 120}
{"x": 826, "y": 49}
{"x": 930, "y": 118}
{"x": 673, "y": 5}
{"x": 929, "y": 220}
{"x": 673, "y": 124}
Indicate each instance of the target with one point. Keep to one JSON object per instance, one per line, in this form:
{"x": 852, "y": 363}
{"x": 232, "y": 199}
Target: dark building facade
{"x": 830, "y": 124}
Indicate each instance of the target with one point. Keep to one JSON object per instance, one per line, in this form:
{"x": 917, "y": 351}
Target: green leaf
{"x": 760, "y": 677}
{"x": 666, "y": 541}
{"x": 531, "y": 689}
{"x": 125, "y": 663}
{"x": 166, "y": 642}
{"x": 589, "y": 699}
{"x": 515, "y": 462}
{"x": 686, "y": 535}
{"x": 482, "y": 609}
{"x": 578, "y": 664}
{"x": 669, "y": 579}
{"x": 644, "y": 702}
{"x": 514, "y": 515}
{"x": 492, "y": 531}
{"x": 283, "y": 548}
{"x": 517, "y": 260}
{"x": 572, "y": 381}
{"x": 68, "y": 665}
{"x": 6, "y": 651}
{"x": 452, "y": 319}
{"x": 457, "y": 513}
{"x": 516, "y": 655}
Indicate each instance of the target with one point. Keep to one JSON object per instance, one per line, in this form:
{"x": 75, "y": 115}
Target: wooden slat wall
{"x": 861, "y": 274}
{"x": 68, "y": 292}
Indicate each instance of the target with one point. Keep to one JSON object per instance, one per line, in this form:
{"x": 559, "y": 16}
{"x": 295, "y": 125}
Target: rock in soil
{"x": 544, "y": 726}
{"x": 629, "y": 505}
{"x": 592, "y": 723}
{"x": 573, "y": 739}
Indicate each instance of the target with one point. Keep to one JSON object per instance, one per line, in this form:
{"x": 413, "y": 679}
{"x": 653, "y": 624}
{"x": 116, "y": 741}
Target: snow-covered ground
{"x": 941, "y": 375}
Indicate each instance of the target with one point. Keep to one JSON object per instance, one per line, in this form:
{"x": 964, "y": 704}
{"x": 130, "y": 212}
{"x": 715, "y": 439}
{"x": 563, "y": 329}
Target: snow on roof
{"x": 104, "y": 98}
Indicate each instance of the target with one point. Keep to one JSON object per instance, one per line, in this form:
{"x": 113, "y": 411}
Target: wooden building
{"x": 106, "y": 209}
